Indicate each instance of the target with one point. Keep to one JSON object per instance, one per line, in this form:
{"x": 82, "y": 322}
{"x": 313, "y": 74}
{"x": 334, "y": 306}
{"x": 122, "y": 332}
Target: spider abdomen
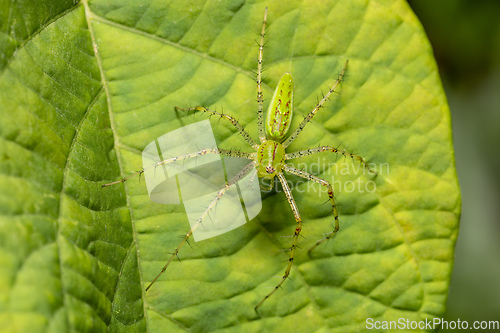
{"x": 279, "y": 114}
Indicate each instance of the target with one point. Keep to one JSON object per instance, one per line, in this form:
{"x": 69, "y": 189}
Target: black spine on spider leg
{"x": 264, "y": 78}
{"x": 188, "y": 242}
{"x": 337, "y": 148}
{"x": 176, "y": 254}
{"x": 141, "y": 173}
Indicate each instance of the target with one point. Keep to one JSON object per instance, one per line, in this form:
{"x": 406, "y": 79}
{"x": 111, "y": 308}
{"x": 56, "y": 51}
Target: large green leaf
{"x": 84, "y": 87}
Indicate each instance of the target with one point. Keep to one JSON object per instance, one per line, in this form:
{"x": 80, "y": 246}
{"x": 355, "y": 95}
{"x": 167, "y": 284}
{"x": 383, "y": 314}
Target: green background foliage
{"x": 84, "y": 87}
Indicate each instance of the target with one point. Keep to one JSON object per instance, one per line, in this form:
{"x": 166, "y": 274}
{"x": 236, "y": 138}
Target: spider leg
{"x": 330, "y": 149}
{"x": 326, "y": 184}
{"x": 318, "y": 106}
{"x": 240, "y": 175}
{"x": 260, "y": 98}
{"x": 233, "y": 121}
{"x": 223, "y": 152}
{"x": 295, "y": 236}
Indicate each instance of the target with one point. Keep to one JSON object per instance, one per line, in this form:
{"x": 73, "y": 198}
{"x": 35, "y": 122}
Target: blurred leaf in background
{"x": 465, "y": 36}
{"x": 85, "y": 86}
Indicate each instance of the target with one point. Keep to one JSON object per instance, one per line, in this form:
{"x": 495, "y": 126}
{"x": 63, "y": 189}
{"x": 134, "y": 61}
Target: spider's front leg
{"x": 335, "y": 150}
{"x": 173, "y": 160}
{"x": 233, "y": 121}
{"x": 326, "y": 184}
{"x": 217, "y": 151}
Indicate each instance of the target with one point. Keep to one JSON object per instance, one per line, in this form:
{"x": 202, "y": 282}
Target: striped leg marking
{"x": 233, "y": 121}
{"x": 318, "y": 106}
{"x": 331, "y": 195}
{"x": 298, "y": 229}
{"x": 321, "y": 149}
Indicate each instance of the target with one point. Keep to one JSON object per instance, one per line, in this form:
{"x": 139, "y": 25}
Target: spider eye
{"x": 270, "y": 169}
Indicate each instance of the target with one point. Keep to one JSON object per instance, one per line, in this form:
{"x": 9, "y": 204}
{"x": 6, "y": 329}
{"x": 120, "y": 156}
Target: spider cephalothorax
{"x": 269, "y": 159}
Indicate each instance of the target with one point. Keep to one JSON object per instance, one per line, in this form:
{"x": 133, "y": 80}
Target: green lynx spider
{"x": 269, "y": 157}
